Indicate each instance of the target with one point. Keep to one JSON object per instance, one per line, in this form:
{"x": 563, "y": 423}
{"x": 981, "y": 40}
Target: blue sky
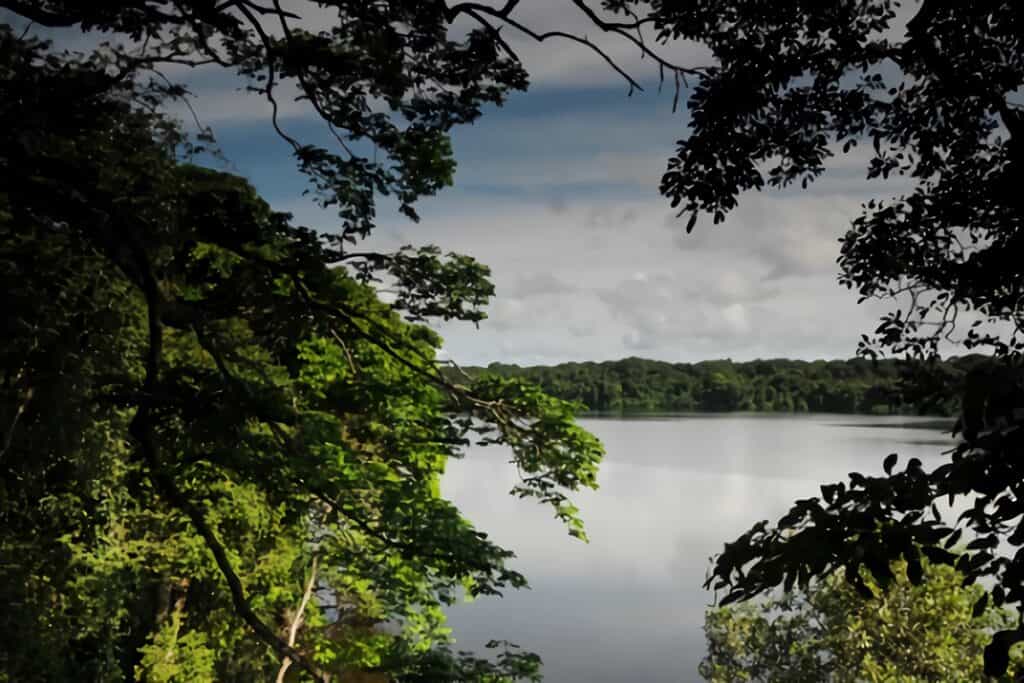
{"x": 557, "y": 193}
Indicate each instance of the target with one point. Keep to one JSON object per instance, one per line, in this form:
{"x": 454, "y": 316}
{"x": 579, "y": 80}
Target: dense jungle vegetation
{"x": 856, "y": 385}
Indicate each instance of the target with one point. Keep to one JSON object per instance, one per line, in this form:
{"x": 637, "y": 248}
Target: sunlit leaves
{"x": 930, "y": 629}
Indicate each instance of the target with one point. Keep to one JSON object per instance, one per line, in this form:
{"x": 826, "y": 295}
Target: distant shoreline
{"x": 641, "y": 387}
{"x": 899, "y": 421}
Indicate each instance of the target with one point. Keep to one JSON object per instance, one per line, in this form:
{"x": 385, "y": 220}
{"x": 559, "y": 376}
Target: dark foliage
{"x": 837, "y": 386}
{"x": 936, "y": 104}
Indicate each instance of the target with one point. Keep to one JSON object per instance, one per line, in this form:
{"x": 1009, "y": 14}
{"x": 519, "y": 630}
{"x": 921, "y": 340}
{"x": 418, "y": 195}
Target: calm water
{"x": 629, "y": 605}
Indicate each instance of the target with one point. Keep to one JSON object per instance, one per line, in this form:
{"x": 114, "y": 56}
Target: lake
{"x": 629, "y": 605}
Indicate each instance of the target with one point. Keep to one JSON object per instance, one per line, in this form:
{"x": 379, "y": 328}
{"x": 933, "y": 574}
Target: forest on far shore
{"x": 856, "y": 385}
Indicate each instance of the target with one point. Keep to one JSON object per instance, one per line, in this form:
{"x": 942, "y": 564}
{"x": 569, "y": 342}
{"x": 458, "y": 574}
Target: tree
{"x": 221, "y": 451}
{"x": 938, "y": 101}
{"x": 927, "y": 632}
{"x": 721, "y": 392}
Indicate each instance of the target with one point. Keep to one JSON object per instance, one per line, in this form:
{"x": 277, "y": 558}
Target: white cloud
{"x": 534, "y": 284}
{"x": 761, "y": 286}
{"x": 786, "y": 235}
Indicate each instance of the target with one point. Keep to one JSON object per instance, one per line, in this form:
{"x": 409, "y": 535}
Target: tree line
{"x": 857, "y": 385}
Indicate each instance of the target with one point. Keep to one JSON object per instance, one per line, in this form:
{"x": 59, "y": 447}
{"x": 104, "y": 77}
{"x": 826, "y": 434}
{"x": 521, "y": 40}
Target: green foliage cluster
{"x": 220, "y": 449}
{"x": 835, "y": 386}
{"x": 934, "y": 631}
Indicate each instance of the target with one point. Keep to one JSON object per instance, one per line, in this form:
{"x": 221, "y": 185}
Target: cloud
{"x": 547, "y": 143}
{"x": 603, "y": 218}
{"x": 661, "y": 310}
{"x": 531, "y": 285}
{"x": 783, "y": 237}
{"x": 219, "y": 97}
{"x": 762, "y": 285}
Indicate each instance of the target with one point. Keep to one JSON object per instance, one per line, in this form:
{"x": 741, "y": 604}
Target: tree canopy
{"x": 856, "y": 385}
{"x": 927, "y": 632}
{"x": 937, "y": 102}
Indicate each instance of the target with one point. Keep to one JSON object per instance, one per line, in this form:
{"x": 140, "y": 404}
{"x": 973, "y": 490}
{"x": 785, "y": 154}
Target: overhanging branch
{"x": 142, "y": 428}
{"x": 33, "y": 12}
{"x": 480, "y": 13}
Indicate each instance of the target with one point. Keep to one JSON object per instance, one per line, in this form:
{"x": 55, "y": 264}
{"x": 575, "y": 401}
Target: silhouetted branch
{"x": 623, "y": 29}
{"x": 33, "y": 12}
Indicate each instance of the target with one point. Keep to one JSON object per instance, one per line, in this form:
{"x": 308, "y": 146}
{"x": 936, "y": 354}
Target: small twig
{"x": 268, "y": 90}
{"x": 183, "y": 98}
{"x": 259, "y": 9}
{"x": 9, "y": 435}
{"x": 28, "y": 27}
{"x": 297, "y": 620}
{"x": 477, "y": 11}
{"x": 675, "y": 98}
{"x": 541, "y": 37}
{"x": 348, "y": 354}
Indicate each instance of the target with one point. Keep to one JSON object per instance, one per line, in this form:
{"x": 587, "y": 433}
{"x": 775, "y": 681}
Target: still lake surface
{"x": 630, "y": 604}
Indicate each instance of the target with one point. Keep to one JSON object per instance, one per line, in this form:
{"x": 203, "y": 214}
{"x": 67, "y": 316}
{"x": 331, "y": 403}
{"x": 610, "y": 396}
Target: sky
{"x": 557, "y": 193}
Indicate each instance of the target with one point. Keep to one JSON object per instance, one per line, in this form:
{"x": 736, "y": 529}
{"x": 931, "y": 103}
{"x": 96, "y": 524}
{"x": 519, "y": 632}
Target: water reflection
{"x": 629, "y": 605}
